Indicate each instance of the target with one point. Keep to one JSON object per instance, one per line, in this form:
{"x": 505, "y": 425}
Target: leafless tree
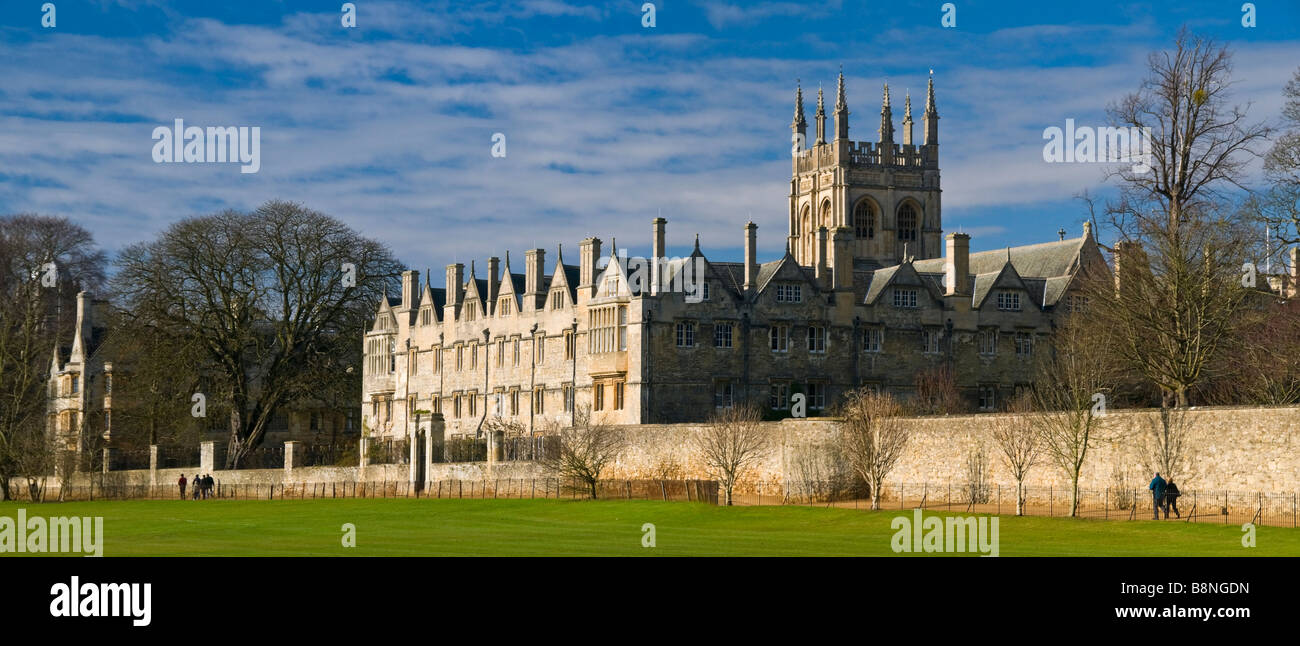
{"x": 1071, "y": 383}
{"x": 1279, "y": 205}
{"x": 977, "y": 475}
{"x": 1168, "y": 442}
{"x": 585, "y": 450}
{"x": 271, "y": 298}
{"x": 873, "y": 436}
{"x": 936, "y": 392}
{"x": 44, "y": 262}
{"x": 1180, "y": 246}
{"x": 1017, "y": 441}
{"x": 731, "y": 443}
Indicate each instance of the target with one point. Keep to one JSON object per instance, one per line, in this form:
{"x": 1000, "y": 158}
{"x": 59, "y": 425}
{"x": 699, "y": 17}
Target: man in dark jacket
{"x": 207, "y": 485}
{"x": 1171, "y": 498}
{"x": 181, "y": 482}
{"x": 1157, "y": 488}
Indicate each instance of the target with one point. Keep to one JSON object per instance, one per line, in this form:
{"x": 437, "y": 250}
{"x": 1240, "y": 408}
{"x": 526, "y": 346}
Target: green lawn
{"x": 401, "y": 527}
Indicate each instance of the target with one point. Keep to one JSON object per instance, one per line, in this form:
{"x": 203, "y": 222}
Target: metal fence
{"x": 177, "y": 456}
{"x": 262, "y": 457}
{"x": 329, "y": 454}
{"x": 705, "y": 491}
{"x": 460, "y": 449}
{"x": 535, "y": 448}
{"x": 389, "y": 451}
{"x": 1195, "y": 506}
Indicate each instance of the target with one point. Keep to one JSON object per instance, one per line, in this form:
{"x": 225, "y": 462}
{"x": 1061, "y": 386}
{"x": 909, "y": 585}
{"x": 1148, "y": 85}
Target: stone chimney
{"x": 588, "y": 253}
{"x": 455, "y": 288}
{"x": 842, "y": 259}
{"x": 751, "y": 257}
{"x": 82, "y": 332}
{"x": 656, "y": 252}
{"x": 534, "y": 270}
{"x": 494, "y": 284}
{"x": 822, "y": 269}
{"x": 956, "y": 264}
{"x": 410, "y": 279}
{"x": 1129, "y": 258}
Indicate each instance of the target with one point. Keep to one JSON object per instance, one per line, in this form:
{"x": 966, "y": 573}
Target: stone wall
{"x": 1232, "y": 449}
{"x": 1235, "y": 449}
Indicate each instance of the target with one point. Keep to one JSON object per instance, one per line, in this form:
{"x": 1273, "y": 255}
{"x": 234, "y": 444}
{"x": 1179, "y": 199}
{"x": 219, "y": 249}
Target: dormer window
{"x": 1009, "y": 301}
{"x": 557, "y": 300}
{"x": 789, "y": 293}
{"x": 504, "y": 308}
{"x": 904, "y": 298}
{"x": 471, "y": 311}
{"x": 611, "y": 287}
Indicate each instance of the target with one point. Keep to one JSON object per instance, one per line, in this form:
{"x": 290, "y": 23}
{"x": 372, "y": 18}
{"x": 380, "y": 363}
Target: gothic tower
{"x": 885, "y": 194}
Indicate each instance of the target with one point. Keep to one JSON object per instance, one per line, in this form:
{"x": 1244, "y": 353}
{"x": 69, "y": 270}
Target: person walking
{"x": 1157, "y": 488}
{"x": 196, "y": 489}
{"x": 207, "y": 486}
{"x": 1171, "y": 498}
{"x": 181, "y": 483}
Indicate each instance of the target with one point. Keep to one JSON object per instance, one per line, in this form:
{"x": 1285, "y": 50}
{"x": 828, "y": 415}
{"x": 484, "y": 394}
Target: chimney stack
{"x": 656, "y": 252}
{"x": 842, "y": 272}
{"x": 534, "y": 270}
{"x": 494, "y": 284}
{"x": 751, "y": 257}
{"x": 956, "y": 265}
{"x": 455, "y": 289}
{"x": 409, "y": 280}
{"x": 822, "y": 269}
{"x": 588, "y": 253}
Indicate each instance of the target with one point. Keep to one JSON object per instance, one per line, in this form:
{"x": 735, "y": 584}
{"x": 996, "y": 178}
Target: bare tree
{"x": 1167, "y": 442}
{"x": 873, "y": 436}
{"x": 1279, "y": 206}
{"x": 275, "y": 298}
{"x": 44, "y": 262}
{"x": 977, "y": 475}
{"x": 936, "y": 392}
{"x": 1069, "y": 393}
{"x": 1180, "y": 246}
{"x": 732, "y": 442}
{"x": 1017, "y": 441}
{"x": 585, "y": 450}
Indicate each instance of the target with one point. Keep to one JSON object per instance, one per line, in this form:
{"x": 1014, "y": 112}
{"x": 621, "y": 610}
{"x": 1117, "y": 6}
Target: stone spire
{"x": 907, "y": 120}
{"x": 821, "y": 118}
{"x": 886, "y": 119}
{"x": 931, "y": 116}
{"x": 799, "y": 127}
{"x": 841, "y": 110}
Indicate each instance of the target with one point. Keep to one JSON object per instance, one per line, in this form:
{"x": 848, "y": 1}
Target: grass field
{"x": 403, "y": 527}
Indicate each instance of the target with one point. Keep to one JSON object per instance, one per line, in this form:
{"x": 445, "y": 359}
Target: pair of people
{"x": 1164, "y": 494}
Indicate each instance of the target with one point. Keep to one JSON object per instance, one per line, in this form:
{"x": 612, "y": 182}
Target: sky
{"x": 608, "y": 123}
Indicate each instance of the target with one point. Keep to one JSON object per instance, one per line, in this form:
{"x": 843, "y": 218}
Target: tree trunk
{"x": 1074, "y": 496}
{"x": 728, "y": 490}
{"x": 592, "y": 483}
{"x": 1020, "y": 497}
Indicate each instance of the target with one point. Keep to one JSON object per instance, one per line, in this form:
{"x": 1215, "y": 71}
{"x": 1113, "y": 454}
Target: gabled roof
{"x": 905, "y": 275}
{"x": 1005, "y": 278}
{"x": 784, "y": 269}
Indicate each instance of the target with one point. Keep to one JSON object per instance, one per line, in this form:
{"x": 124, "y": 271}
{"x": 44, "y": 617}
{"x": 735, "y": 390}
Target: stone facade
{"x": 860, "y": 297}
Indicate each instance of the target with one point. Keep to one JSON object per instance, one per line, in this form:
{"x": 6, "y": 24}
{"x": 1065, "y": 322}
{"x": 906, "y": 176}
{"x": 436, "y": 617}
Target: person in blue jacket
{"x": 1157, "y": 488}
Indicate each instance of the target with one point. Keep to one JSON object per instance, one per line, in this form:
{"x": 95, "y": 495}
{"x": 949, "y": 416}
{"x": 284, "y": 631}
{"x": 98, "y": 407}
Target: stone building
{"x": 868, "y": 292}
{"x": 89, "y": 402}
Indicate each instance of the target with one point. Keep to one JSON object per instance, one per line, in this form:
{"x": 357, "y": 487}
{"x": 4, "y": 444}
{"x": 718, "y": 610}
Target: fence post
{"x": 1050, "y": 499}
{"x": 1106, "y": 505}
{"x": 999, "y": 498}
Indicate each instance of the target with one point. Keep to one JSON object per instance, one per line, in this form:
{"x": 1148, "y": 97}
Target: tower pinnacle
{"x": 841, "y": 110}
{"x": 821, "y": 118}
{"x": 886, "y": 119}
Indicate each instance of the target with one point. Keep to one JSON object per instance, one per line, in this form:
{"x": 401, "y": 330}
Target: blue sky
{"x": 608, "y": 124}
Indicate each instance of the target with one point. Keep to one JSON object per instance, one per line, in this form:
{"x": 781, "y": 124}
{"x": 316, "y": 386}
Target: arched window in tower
{"x": 907, "y": 223}
{"x": 864, "y": 220}
{"x": 825, "y": 215}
